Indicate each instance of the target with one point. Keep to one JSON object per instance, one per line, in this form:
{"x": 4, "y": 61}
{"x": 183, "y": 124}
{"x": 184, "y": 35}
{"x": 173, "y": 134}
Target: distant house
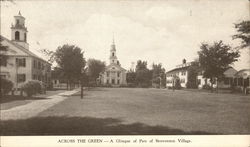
{"x": 22, "y": 65}
{"x": 226, "y": 82}
{"x": 57, "y": 79}
{"x": 181, "y": 72}
{"x": 114, "y": 74}
{"x": 242, "y": 79}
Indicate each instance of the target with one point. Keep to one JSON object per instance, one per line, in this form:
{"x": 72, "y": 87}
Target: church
{"x": 21, "y": 64}
{"x": 114, "y": 74}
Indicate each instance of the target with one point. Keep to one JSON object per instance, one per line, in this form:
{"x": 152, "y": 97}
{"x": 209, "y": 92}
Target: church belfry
{"x": 19, "y": 31}
{"x": 113, "y": 58}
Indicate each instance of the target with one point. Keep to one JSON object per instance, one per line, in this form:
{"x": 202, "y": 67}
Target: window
{"x": 39, "y": 65}
{"x": 118, "y": 81}
{"x": 246, "y": 82}
{"x": 240, "y": 81}
{"x": 17, "y": 22}
{"x": 199, "y": 81}
{"x": 107, "y": 81}
{"x": 34, "y": 77}
{"x": 113, "y": 81}
{"x": 21, "y": 62}
{"x": 226, "y": 81}
{"x": 118, "y": 74}
{"x": 182, "y": 81}
{"x": 25, "y": 37}
{"x": 113, "y": 54}
{"x": 3, "y": 62}
{"x": 34, "y": 63}
{"x": 39, "y": 78}
{"x": 21, "y": 78}
{"x": 3, "y": 76}
{"x": 17, "y": 35}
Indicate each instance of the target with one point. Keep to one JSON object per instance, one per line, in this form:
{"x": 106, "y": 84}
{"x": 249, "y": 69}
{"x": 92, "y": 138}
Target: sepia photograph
{"x": 124, "y": 68}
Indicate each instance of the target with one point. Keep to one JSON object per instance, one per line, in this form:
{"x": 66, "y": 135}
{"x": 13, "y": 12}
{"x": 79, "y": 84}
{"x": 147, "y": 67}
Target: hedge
{"x": 33, "y": 87}
{"x": 6, "y": 86}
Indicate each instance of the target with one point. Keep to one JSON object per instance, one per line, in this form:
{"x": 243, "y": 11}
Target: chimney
{"x": 184, "y": 61}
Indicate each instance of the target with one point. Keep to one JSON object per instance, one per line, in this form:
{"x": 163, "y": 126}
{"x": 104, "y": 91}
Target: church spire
{"x": 113, "y": 58}
{"x": 113, "y": 39}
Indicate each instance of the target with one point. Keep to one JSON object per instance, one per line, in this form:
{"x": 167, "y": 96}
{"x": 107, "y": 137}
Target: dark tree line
{"x": 145, "y": 77}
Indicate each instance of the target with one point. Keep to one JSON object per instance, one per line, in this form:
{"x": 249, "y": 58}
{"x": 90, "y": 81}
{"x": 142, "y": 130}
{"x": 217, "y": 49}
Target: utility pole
{"x": 82, "y": 81}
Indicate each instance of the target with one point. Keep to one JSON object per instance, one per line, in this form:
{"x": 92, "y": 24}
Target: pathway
{"x": 34, "y": 108}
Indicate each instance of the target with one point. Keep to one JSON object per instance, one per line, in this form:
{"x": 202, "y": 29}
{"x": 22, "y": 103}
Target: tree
{"x": 131, "y": 77}
{"x": 192, "y": 76}
{"x": 3, "y": 49}
{"x": 5, "y": 86}
{"x": 3, "y": 59}
{"x": 70, "y": 61}
{"x": 215, "y": 59}
{"x": 143, "y": 74}
{"x": 158, "y": 75}
{"x": 95, "y": 67}
{"x": 49, "y": 54}
{"x": 141, "y": 65}
{"x": 243, "y": 29}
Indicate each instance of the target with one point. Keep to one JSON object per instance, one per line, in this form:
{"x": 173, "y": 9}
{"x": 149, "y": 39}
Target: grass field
{"x": 137, "y": 111}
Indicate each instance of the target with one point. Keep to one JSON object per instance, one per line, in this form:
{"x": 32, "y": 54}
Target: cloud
{"x": 166, "y": 13}
{"x": 162, "y": 31}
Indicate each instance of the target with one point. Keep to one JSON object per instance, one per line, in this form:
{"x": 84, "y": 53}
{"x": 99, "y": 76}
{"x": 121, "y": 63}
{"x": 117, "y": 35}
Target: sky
{"x": 163, "y": 31}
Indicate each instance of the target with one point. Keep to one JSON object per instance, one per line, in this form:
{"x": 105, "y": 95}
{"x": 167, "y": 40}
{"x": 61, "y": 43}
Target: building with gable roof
{"x": 22, "y": 65}
{"x": 114, "y": 74}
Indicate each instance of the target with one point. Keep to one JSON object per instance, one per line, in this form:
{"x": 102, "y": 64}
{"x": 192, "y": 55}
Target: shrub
{"x": 33, "y": 87}
{"x": 207, "y": 87}
{"x": 144, "y": 85}
{"x": 131, "y": 85}
{"x": 6, "y": 86}
{"x": 192, "y": 85}
{"x": 177, "y": 84}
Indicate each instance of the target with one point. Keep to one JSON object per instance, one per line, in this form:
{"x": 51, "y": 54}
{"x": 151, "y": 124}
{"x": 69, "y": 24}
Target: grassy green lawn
{"x": 139, "y": 111}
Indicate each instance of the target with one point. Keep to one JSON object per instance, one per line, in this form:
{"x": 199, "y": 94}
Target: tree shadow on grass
{"x": 85, "y": 126}
{"x": 10, "y": 98}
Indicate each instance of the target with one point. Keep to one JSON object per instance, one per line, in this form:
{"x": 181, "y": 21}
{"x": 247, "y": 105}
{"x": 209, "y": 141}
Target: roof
{"x": 243, "y": 73}
{"x": 110, "y": 65}
{"x": 177, "y": 69}
{"x": 23, "y": 49}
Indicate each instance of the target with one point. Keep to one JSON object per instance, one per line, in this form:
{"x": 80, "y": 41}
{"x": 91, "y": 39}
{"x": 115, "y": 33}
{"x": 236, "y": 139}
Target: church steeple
{"x": 19, "y": 31}
{"x": 113, "y": 58}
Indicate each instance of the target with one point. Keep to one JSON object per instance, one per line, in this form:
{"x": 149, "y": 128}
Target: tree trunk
{"x": 67, "y": 84}
{"x": 217, "y": 85}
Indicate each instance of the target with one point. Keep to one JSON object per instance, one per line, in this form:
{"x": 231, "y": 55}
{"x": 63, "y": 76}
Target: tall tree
{"x": 131, "y": 77}
{"x": 192, "y": 76}
{"x": 143, "y": 74}
{"x": 95, "y": 67}
{"x": 215, "y": 59}
{"x": 3, "y": 49}
{"x": 158, "y": 74}
{"x": 3, "y": 60}
{"x": 70, "y": 60}
{"x": 243, "y": 29}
